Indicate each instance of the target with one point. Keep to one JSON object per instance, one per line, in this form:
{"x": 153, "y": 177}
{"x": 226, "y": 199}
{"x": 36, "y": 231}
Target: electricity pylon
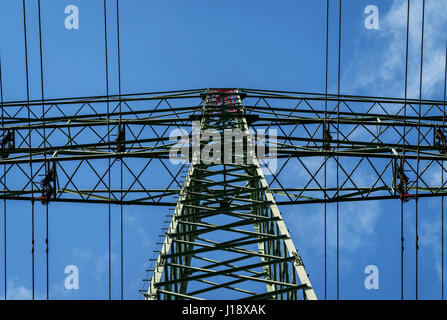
{"x": 209, "y": 247}
{"x": 226, "y": 233}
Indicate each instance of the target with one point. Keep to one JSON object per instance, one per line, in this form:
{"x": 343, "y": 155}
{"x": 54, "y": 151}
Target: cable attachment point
{"x": 327, "y": 137}
{"x": 402, "y": 186}
{"x": 7, "y": 143}
{"x": 47, "y": 184}
{"x": 440, "y": 140}
{"x": 120, "y": 139}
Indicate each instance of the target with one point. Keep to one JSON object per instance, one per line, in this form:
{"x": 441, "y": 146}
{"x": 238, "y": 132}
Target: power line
{"x": 338, "y": 139}
{"x": 4, "y": 184}
{"x": 442, "y": 170}
{"x": 44, "y": 153}
{"x": 403, "y": 157}
{"x": 326, "y": 158}
{"x": 419, "y": 141}
{"x": 108, "y": 141}
{"x": 120, "y": 128}
{"x": 30, "y": 154}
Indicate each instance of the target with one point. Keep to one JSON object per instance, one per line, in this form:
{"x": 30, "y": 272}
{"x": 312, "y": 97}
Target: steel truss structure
{"x": 216, "y": 202}
{"x": 226, "y": 232}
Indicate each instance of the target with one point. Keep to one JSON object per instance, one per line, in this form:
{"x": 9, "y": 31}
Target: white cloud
{"x": 430, "y": 239}
{"x": 134, "y": 224}
{"x": 18, "y": 292}
{"x": 382, "y": 69}
{"x": 358, "y": 222}
{"x": 99, "y": 262}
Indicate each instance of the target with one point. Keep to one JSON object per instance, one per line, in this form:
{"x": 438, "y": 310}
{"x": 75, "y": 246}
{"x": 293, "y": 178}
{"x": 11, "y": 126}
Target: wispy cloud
{"x": 16, "y": 291}
{"x": 430, "y": 239}
{"x": 359, "y": 223}
{"x": 99, "y": 262}
{"x": 382, "y": 69}
{"x": 135, "y": 224}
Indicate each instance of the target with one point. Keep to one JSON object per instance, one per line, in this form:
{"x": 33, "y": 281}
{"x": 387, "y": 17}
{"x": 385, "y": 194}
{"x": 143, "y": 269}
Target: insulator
{"x": 48, "y": 178}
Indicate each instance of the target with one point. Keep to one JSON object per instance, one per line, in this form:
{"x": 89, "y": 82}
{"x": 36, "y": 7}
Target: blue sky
{"x": 168, "y": 45}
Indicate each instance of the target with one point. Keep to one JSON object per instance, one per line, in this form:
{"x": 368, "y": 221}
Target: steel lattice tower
{"x": 208, "y": 246}
{"x": 226, "y": 232}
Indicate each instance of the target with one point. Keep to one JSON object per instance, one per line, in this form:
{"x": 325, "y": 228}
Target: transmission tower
{"x": 208, "y": 246}
{"x": 226, "y": 233}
